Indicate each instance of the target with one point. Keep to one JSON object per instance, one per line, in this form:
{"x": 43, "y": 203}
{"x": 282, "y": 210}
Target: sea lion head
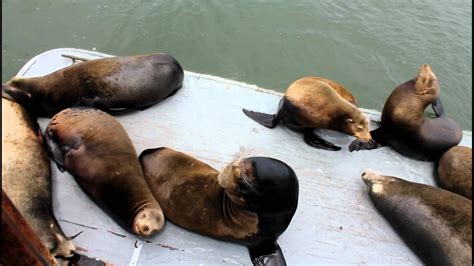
{"x": 376, "y": 183}
{"x": 266, "y": 186}
{"x": 15, "y": 90}
{"x": 426, "y": 82}
{"x": 356, "y": 124}
{"x": 147, "y": 222}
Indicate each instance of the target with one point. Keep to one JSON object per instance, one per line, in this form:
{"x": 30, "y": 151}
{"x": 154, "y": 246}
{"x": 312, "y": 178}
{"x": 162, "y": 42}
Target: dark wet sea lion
{"x": 94, "y": 148}
{"x": 26, "y": 177}
{"x": 113, "y": 84}
{"x": 404, "y": 126}
{"x": 455, "y": 171}
{"x": 251, "y": 201}
{"x": 314, "y": 102}
{"x": 435, "y": 223}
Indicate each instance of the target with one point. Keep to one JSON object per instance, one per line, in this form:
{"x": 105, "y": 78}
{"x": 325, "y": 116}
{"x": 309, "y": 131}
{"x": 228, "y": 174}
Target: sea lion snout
{"x": 369, "y": 176}
{"x": 64, "y": 247}
{"x": 148, "y": 222}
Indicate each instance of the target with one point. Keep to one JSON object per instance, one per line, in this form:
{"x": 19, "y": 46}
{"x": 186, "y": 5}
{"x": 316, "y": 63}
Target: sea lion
{"x": 26, "y": 177}
{"x": 435, "y": 223}
{"x": 404, "y": 126}
{"x": 94, "y": 148}
{"x": 114, "y": 85}
{"x": 314, "y": 102}
{"x": 455, "y": 171}
{"x": 251, "y": 201}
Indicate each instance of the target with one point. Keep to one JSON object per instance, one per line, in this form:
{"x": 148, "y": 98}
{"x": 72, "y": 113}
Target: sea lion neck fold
{"x": 251, "y": 201}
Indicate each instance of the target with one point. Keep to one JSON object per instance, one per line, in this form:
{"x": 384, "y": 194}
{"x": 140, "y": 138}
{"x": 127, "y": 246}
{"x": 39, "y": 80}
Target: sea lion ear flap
{"x": 14, "y": 94}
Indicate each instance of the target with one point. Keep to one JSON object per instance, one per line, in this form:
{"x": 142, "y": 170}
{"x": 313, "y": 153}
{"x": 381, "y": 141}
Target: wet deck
{"x": 335, "y": 221}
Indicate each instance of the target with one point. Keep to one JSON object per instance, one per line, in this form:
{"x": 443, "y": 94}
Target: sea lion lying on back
{"x": 251, "y": 201}
{"x": 113, "y": 85}
{"x": 96, "y": 150}
{"x": 314, "y": 102}
{"x": 404, "y": 126}
{"x": 435, "y": 223}
{"x": 455, "y": 171}
{"x": 26, "y": 177}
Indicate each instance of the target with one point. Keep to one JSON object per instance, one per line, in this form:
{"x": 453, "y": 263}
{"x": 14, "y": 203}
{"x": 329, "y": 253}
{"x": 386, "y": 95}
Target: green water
{"x": 368, "y": 46}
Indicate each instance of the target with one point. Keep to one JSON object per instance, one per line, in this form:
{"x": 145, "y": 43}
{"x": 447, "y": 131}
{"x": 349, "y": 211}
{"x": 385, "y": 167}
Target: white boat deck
{"x": 335, "y": 223}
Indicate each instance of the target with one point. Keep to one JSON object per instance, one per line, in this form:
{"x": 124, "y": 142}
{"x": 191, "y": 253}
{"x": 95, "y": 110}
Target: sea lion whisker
{"x": 74, "y": 236}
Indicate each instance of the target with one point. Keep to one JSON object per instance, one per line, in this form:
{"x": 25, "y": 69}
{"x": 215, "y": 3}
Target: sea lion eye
{"x": 350, "y": 120}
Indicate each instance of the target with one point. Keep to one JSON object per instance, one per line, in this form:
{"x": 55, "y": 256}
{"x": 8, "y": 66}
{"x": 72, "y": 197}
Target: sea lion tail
{"x": 267, "y": 120}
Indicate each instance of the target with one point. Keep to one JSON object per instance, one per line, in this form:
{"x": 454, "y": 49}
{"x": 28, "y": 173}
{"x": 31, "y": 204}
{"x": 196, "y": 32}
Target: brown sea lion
{"x": 251, "y": 201}
{"x": 404, "y": 126}
{"x": 94, "y": 148}
{"x": 435, "y": 223}
{"x": 26, "y": 177}
{"x": 455, "y": 171}
{"x": 113, "y": 84}
{"x": 314, "y": 102}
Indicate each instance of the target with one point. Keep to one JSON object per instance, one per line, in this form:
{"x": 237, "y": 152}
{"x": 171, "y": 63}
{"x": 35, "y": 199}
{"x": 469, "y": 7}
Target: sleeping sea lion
{"x": 455, "y": 171}
{"x": 314, "y": 102}
{"x": 251, "y": 201}
{"x": 114, "y": 85}
{"x": 404, "y": 126}
{"x": 26, "y": 177}
{"x": 94, "y": 148}
{"x": 435, "y": 223}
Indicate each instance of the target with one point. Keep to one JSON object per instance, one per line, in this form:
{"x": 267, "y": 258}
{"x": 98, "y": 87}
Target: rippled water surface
{"x": 368, "y": 46}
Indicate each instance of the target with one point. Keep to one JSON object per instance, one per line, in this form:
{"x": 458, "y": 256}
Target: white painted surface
{"x": 335, "y": 223}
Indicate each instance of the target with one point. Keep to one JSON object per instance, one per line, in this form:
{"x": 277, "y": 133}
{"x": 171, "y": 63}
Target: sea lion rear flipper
{"x": 313, "y": 140}
{"x": 267, "y": 120}
{"x": 437, "y": 107}
{"x": 268, "y": 255}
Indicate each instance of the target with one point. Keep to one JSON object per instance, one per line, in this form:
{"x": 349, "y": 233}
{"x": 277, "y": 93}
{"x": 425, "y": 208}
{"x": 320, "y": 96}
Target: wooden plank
{"x": 335, "y": 221}
{"x": 20, "y": 244}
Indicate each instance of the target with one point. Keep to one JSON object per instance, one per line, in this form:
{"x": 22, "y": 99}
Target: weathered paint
{"x": 335, "y": 221}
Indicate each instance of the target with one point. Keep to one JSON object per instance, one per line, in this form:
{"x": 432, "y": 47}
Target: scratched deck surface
{"x": 335, "y": 221}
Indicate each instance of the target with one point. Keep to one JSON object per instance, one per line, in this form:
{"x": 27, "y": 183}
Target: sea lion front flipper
{"x": 437, "y": 107}
{"x": 358, "y": 145}
{"x": 313, "y": 140}
{"x": 267, "y": 120}
{"x": 267, "y": 254}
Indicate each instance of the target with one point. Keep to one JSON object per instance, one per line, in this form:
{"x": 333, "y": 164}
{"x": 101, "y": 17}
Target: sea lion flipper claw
{"x": 267, "y": 120}
{"x": 267, "y": 255}
{"x": 313, "y": 140}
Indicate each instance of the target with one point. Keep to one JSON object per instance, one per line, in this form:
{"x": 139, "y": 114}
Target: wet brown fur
{"x": 26, "y": 177}
{"x": 103, "y": 161}
{"x": 404, "y": 125}
{"x": 435, "y": 223}
{"x": 134, "y": 82}
{"x": 455, "y": 171}
{"x": 324, "y": 105}
{"x": 177, "y": 180}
